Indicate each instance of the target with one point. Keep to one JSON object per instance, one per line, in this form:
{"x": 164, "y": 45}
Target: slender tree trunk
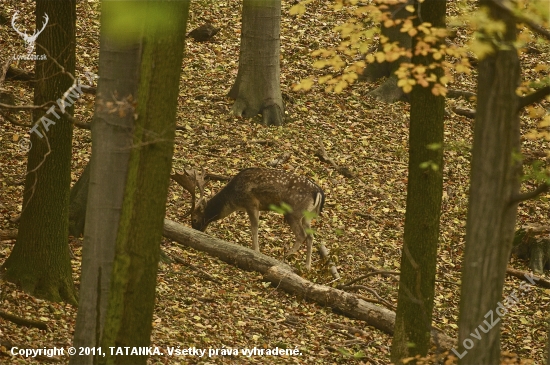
{"x": 424, "y": 190}
{"x": 129, "y": 315}
{"x": 491, "y": 215}
{"x": 40, "y": 260}
{"x": 257, "y": 87}
{"x": 119, "y": 65}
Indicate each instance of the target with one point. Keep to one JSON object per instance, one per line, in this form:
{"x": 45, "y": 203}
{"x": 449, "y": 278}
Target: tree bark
{"x": 77, "y": 203}
{"x": 40, "y": 260}
{"x": 494, "y": 181}
{"x": 257, "y": 87}
{"x": 128, "y": 321}
{"x": 424, "y": 191}
{"x": 107, "y": 171}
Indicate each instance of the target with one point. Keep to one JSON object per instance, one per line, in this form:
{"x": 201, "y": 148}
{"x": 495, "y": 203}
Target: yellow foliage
{"x": 536, "y": 112}
{"x": 349, "y": 77}
{"x": 481, "y": 48}
{"x": 545, "y": 122}
{"x": 324, "y": 79}
{"x": 304, "y": 84}
{"x": 320, "y": 64}
{"x": 380, "y": 57}
{"x": 406, "y": 85}
{"x": 340, "y": 86}
{"x": 297, "y": 9}
{"x": 439, "y": 89}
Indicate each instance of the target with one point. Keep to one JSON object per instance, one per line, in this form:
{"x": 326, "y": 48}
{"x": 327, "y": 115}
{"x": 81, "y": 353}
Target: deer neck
{"x": 218, "y": 207}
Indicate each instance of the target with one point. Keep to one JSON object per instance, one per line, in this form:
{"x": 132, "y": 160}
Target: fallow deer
{"x": 255, "y": 189}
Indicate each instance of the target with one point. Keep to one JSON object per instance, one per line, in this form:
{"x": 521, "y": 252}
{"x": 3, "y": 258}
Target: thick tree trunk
{"x": 128, "y": 321}
{"x": 424, "y": 191}
{"x": 40, "y": 260}
{"x": 257, "y": 87}
{"x": 491, "y": 215}
{"x": 106, "y": 177}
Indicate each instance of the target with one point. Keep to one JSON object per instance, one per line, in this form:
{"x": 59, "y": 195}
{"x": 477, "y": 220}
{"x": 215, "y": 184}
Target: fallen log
{"x": 282, "y": 276}
{"x": 230, "y": 253}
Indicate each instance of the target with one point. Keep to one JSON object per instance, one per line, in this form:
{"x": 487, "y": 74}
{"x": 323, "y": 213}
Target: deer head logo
{"x": 29, "y": 39}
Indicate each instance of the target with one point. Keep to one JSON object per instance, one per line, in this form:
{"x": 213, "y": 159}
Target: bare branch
{"x": 530, "y": 195}
{"x": 534, "y": 97}
{"x": 13, "y": 121}
{"x": 26, "y": 107}
{"x": 469, "y": 113}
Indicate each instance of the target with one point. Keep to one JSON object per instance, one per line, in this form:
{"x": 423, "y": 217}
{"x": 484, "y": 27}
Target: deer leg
{"x": 298, "y": 228}
{"x": 309, "y": 242}
{"x": 254, "y": 215}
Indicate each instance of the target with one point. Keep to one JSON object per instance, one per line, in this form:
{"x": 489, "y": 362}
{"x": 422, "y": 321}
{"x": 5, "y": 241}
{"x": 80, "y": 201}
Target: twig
{"x": 469, "y": 113}
{"x": 377, "y": 272}
{"x": 350, "y": 329}
{"x": 185, "y": 263}
{"x": 526, "y": 276}
{"x": 13, "y": 121}
{"x": 26, "y": 107}
{"x": 322, "y": 155}
{"x": 373, "y": 292}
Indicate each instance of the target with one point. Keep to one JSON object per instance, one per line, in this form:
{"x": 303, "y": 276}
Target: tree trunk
{"x": 77, "y": 203}
{"x": 494, "y": 181}
{"x": 40, "y": 260}
{"x": 107, "y": 171}
{"x": 424, "y": 191}
{"x": 257, "y": 87}
{"x": 128, "y": 320}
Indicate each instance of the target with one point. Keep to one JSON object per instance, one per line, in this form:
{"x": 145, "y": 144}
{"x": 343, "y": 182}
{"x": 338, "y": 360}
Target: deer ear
{"x": 202, "y": 203}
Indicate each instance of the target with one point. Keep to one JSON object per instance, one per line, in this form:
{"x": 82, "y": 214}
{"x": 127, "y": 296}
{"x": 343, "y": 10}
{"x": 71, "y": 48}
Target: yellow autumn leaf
{"x": 410, "y": 8}
{"x": 320, "y": 64}
{"x": 297, "y": 9}
{"x": 481, "y": 49}
{"x": 304, "y": 84}
{"x": 380, "y": 57}
{"x": 324, "y": 79}
{"x": 340, "y": 86}
{"x": 545, "y": 123}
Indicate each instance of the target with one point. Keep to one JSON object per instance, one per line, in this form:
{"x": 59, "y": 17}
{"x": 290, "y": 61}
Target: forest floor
{"x": 362, "y": 223}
